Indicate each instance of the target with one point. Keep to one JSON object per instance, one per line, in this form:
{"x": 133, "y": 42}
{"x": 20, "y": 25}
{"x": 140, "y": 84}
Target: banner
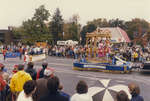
{"x": 12, "y": 55}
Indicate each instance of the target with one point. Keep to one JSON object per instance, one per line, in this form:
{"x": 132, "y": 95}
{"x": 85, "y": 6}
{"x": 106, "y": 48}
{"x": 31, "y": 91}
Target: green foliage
{"x": 72, "y": 28}
{"x": 37, "y": 29}
{"x": 73, "y": 31}
{"x": 41, "y": 14}
{"x": 88, "y": 28}
{"x": 56, "y": 26}
{"x": 99, "y": 22}
{"x": 130, "y": 27}
{"x": 34, "y": 29}
{"x": 111, "y": 23}
{"x": 136, "y": 26}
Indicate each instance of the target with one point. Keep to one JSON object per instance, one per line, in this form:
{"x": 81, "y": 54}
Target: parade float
{"x": 37, "y": 53}
{"x": 98, "y": 51}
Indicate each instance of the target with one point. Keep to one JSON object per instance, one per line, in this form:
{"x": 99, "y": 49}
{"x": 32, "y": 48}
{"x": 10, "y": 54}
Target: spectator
{"x": 81, "y": 94}
{"x": 40, "y": 73}
{"x": 15, "y": 70}
{"x": 18, "y": 79}
{"x": 54, "y": 94}
{"x": 4, "y": 53}
{"x": 28, "y": 89}
{"x": 21, "y": 52}
{"x": 122, "y": 96}
{"x": 135, "y": 91}
{"x": 31, "y": 70}
{"x": 42, "y": 84}
{"x": 2, "y": 84}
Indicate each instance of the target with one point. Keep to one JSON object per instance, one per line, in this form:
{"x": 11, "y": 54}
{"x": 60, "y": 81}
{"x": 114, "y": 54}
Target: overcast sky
{"x": 13, "y": 12}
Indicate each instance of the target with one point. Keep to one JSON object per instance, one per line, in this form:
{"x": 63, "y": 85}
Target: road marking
{"x": 119, "y": 81}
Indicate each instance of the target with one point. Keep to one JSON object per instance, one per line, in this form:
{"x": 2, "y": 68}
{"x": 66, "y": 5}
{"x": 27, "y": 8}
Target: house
{"x": 6, "y": 35}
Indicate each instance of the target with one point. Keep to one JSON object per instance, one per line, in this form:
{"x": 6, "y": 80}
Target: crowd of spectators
{"x": 129, "y": 53}
{"x": 44, "y": 85}
{"x": 134, "y": 53}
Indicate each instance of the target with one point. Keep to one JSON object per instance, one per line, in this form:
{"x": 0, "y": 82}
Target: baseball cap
{"x": 48, "y": 71}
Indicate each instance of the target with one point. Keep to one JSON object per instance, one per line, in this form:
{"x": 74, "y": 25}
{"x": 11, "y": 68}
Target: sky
{"x": 14, "y": 12}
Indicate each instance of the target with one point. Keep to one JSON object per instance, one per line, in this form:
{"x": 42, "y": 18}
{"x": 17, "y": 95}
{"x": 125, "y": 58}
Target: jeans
{"x": 2, "y": 95}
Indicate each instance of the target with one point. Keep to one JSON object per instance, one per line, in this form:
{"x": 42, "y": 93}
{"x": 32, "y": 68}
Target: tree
{"x": 72, "y": 28}
{"x": 88, "y": 28}
{"x": 40, "y": 18}
{"x": 117, "y": 23}
{"x": 73, "y": 31}
{"x": 41, "y": 14}
{"x": 135, "y": 25}
{"x": 35, "y": 29}
{"x": 56, "y": 26}
{"x": 99, "y": 22}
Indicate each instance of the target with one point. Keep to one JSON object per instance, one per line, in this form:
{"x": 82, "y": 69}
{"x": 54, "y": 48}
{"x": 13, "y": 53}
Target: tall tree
{"x": 74, "y": 27}
{"x": 99, "y": 22}
{"x": 40, "y": 18}
{"x": 136, "y": 26}
{"x": 117, "y": 23}
{"x": 56, "y": 26}
{"x": 88, "y": 28}
{"x": 35, "y": 29}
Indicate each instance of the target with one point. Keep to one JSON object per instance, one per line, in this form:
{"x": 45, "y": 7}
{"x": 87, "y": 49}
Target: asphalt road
{"x": 102, "y": 86}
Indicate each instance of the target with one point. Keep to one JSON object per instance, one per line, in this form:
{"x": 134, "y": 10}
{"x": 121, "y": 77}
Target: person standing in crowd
{"x": 15, "y": 69}
{"x": 4, "y": 53}
{"x": 54, "y": 94}
{"x": 42, "y": 84}
{"x": 135, "y": 56}
{"x": 28, "y": 89}
{"x": 122, "y": 96}
{"x": 2, "y": 88}
{"x": 2, "y": 84}
{"x": 17, "y": 81}
{"x": 81, "y": 94}
{"x": 135, "y": 92}
{"x": 40, "y": 73}
{"x": 31, "y": 70}
{"x": 21, "y": 52}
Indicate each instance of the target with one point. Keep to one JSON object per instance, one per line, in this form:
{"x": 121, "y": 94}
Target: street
{"x": 101, "y": 85}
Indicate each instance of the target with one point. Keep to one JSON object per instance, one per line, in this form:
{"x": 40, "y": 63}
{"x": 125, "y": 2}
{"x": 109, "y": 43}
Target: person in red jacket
{"x": 4, "y": 53}
{"x": 2, "y": 84}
